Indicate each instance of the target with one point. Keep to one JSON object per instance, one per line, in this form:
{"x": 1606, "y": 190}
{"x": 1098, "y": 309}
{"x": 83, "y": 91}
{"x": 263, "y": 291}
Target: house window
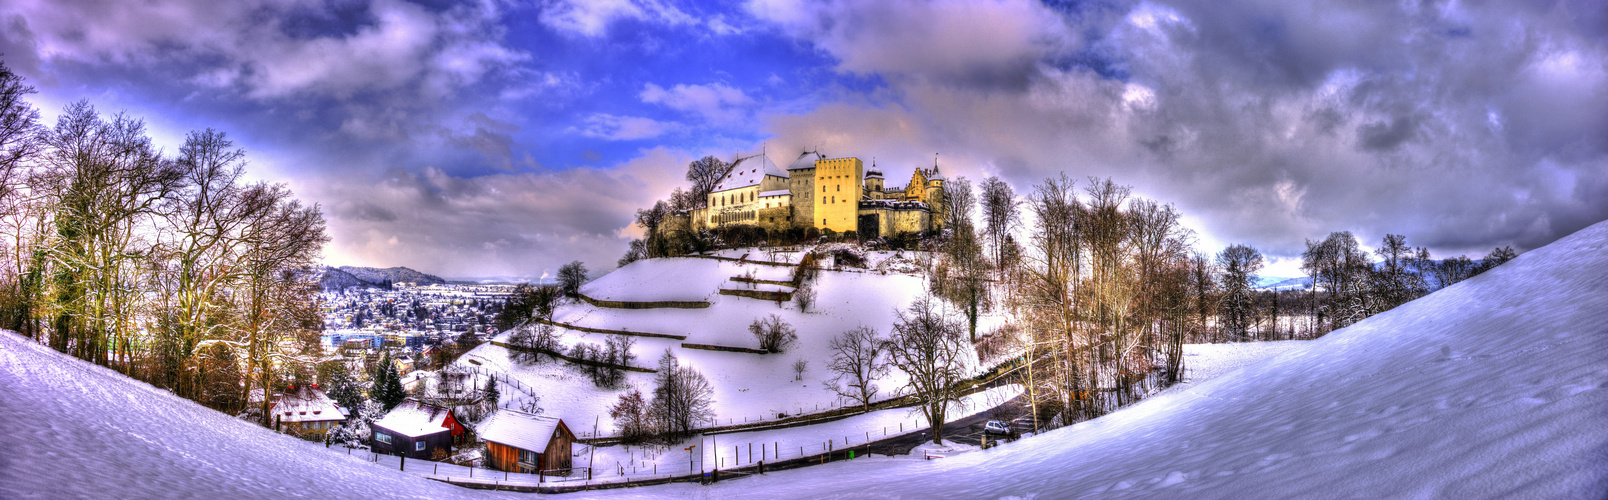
{"x": 419, "y": 446}
{"x": 383, "y": 437}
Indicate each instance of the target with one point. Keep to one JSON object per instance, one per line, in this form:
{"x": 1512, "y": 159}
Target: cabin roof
{"x": 414, "y": 419}
{"x": 518, "y": 429}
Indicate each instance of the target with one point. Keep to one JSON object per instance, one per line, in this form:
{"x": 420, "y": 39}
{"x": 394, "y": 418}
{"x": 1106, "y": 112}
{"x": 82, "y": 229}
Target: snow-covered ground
{"x": 748, "y": 387}
{"x": 1493, "y": 388}
{"x": 81, "y": 431}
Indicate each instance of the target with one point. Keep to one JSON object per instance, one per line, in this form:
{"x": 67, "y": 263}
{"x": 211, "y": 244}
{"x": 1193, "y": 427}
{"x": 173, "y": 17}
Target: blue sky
{"x": 509, "y": 137}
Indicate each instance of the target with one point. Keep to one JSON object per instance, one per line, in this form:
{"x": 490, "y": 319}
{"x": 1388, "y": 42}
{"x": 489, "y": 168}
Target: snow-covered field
{"x": 747, "y": 386}
{"x": 1496, "y": 387}
{"x": 1492, "y": 388}
{"x": 81, "y": 431}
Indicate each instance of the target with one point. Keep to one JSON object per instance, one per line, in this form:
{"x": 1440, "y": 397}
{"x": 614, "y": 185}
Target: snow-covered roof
{"x": 749, "y": 171}
{"x": 779, "y": 192}
{"x": 518, "y": 429}
{"x": 307, "y": 404}
{"x": 873, "y": 174}
{"x": 413, "y": 419}
{"x": 806, "y": 160}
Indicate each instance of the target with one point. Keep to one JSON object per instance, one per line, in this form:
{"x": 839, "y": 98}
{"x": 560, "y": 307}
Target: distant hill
{"x": 1278, "y": 283}
{"x": 393, "y": 274}
{"x": 335, "y": 280}
{"x": 344, "y": 277}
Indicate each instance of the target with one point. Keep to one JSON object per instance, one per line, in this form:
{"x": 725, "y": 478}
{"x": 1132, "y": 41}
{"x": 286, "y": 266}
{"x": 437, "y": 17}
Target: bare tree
{"x": 635, "y": 251}
{"x": 774, "y": 335}
{"x": 1001, "y": 213}
{"x": 650, "y": 219}
{"x": 1240, "y": 264}
{"x": 857, "y": 364}
{"x": 570, "y": 278}
{"x": 963, "y": 279}
{"x": 800, "y": 366}
{"x": 19, "y": 128}
{"x": 704, "y": 173}
{"x": 682, "y": 398}
{"x": 105, "y": 182}
{"x": 1453, "y": 270}
{"x": 1497, "y": 257}
{"x": 630, "y": 416}
{"x": 928, "y": 347}
{"x": 804, "y": 296}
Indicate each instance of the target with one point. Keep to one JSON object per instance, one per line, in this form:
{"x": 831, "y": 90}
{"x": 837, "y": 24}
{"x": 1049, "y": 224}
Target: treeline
{"x": 170, "y": 268}
{"x": 1105, "y": 288}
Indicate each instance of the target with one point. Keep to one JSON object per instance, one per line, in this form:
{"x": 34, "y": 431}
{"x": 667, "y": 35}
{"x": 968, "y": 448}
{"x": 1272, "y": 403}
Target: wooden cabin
{"x": 522, "y": 442}
{"x": 416, "y": 430}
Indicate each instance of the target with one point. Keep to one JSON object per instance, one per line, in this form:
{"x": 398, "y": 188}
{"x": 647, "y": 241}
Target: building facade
{"x": 816, "y": 191}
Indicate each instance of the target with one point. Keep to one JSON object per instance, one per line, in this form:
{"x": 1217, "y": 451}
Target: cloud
{"x": 592, "y": 17}
{"x": 499, "y": 224}
{"x": 716, "y": 102}
{"x": 1269, "y": 123}
{"x": 624, "y": 128}
{"x": 990, "y": 42}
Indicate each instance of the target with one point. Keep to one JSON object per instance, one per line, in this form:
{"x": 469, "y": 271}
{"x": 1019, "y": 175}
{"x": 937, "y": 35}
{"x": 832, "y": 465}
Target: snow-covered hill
{"x": 76, "y": 430}
{"x": 1496, "y": 387}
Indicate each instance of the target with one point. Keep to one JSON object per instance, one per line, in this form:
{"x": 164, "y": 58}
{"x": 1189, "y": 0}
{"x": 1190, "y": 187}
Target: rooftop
{"x": 413, "y": 419}
{"x": 518, "y": 429}
{"x": 306, "y": 404}
{"x": 749, "y": 171}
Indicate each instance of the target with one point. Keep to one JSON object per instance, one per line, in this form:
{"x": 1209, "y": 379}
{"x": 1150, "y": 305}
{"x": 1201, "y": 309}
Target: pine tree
{"x": 492, "y": 396}
{"x": 388, "y": 384}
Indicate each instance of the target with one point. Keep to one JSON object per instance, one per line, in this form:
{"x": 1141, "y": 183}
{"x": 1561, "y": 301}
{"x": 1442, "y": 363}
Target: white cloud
{"x": 592, "y": 17}
{"x": 716, "y": 102}
{"x": 624, "y": 128}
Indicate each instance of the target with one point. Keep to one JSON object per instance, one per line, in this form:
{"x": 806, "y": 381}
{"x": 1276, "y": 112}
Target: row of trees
{"x": 170, "y": 268}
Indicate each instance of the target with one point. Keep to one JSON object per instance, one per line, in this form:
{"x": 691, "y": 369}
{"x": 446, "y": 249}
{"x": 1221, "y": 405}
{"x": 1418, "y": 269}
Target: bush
{"x": 804, "y": 296}
{"x": 774, "y": 335}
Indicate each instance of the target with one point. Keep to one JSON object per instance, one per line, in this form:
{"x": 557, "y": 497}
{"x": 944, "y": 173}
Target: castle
{"x": 839, "y": 194}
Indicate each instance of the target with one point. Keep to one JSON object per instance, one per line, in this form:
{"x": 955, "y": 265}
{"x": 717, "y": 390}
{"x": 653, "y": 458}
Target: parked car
{"x": 998, "y": 427}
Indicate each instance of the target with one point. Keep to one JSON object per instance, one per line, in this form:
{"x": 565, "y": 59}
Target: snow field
{"x": 730, "y": 450}
{"x": 747, "y": 386}
{"x": 1492, "y": 388}
{"x": 83, "y": 431}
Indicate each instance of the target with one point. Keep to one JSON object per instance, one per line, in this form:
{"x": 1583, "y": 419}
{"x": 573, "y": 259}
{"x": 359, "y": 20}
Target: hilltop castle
{"x": 839, "y": 194}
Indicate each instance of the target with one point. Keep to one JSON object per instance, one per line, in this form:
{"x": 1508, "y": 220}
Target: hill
{"x": 1491, "y": 388}
{"x": 83, "y": 431}
{"x": 393, "y": 274}
{"x": 334, "y": 280}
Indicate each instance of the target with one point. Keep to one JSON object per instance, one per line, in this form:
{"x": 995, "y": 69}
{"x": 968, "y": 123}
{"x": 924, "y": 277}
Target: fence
{"x": 656, "y": 464}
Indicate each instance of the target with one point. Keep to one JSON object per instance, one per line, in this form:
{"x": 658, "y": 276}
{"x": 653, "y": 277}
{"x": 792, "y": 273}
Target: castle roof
{"x": 749, "y": 171}
{"x": 806, "y": 160}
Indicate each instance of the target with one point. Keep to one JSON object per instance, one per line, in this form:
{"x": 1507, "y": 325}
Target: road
{"x": 968, "y": 430}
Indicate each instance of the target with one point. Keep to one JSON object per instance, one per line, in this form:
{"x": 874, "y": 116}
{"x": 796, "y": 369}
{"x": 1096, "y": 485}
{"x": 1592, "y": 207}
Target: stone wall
{"x": 801, "y": 185}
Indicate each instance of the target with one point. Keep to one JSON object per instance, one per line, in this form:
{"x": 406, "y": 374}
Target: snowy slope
{"x": 1496, "y": 387}
{"x": 75, "y": 430}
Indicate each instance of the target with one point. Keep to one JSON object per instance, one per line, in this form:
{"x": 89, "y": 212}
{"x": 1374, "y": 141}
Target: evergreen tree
{"x": 492, "y": 396}
{"x": 388, "y": 384}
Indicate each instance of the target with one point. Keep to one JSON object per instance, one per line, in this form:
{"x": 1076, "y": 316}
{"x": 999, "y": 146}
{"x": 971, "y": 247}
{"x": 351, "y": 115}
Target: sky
{"x": 506, "y": 138}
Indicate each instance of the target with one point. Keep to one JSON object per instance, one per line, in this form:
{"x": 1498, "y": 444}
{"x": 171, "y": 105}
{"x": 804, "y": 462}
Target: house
{"x": 417, "y": 430}
{"x": 306, "y": 411}
{"x": 522, "y": 442}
